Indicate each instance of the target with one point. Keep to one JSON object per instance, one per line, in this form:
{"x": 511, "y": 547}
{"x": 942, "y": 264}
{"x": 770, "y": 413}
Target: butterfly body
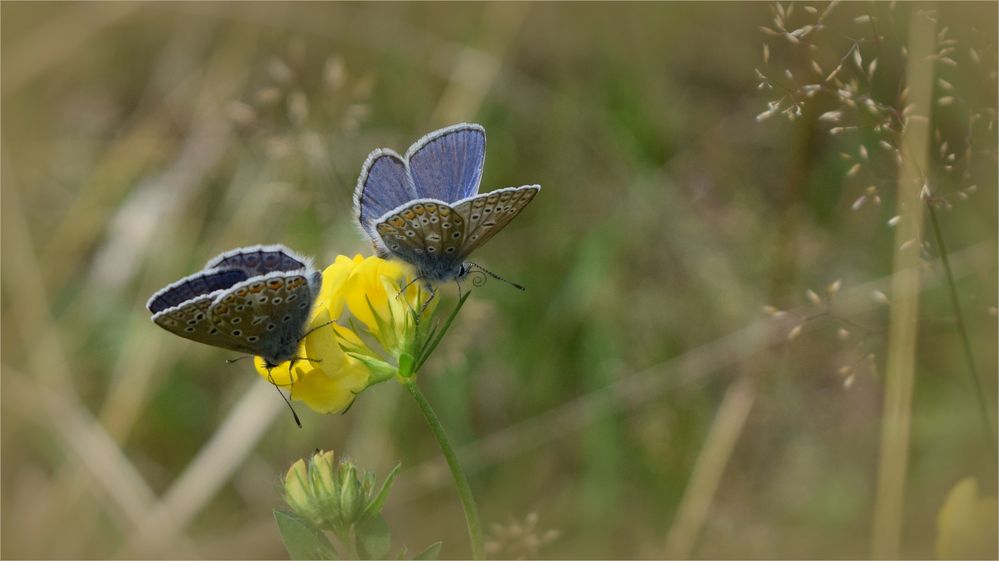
{"x": 255, "y": 300}
{"x": 425, "y": 209}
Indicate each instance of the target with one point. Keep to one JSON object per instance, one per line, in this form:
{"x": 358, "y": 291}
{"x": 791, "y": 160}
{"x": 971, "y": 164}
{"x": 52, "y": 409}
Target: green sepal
{"x": 432, "y": 344}
{"x": 384, "y": 327}
{"x": 372, "y": 538}
{"x": 380, "y": 370}
{"x": 303, "y": 540}
{"x": 345, "y": 344}
{"x": 432, "y": 551}
{"x": 406, "y": 364}
{"x": 375, "y": 506}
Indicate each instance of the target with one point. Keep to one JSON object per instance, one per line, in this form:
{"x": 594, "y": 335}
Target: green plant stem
{"x": 888, "y": 517}
{"x": 460, "y": 481}
{"x": 963, "y": 331}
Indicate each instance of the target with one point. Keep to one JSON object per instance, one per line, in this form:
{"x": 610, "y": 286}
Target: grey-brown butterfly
{"x": 256, "y": 300}
{"x": 425, "y": 209}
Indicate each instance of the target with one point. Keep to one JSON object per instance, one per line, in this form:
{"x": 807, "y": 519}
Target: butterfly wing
{"x": 193, "y": 286}
{"x": 384, "y": 185}
{"x": 182, "y": 308}
{"x": 487, "y": 214}
{"x": 447, "y": 164}
{"x": 426, "y": 233}
{"x": 267, "y": 315}
{"x": 259, "y": 260}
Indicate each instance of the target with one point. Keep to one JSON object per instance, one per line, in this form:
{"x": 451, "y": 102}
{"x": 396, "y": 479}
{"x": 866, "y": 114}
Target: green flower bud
{"x": 351, "y": 501}
{"x": 323, "y": 467}
{"x": 298, "y": 493}
{"x": 333, "y": 495}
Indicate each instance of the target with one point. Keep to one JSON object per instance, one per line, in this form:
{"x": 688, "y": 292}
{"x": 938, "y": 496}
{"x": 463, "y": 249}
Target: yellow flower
{"x": 359, "y": 305}
{"x": 967, "y": 524}
{"x": 372, "y": 292}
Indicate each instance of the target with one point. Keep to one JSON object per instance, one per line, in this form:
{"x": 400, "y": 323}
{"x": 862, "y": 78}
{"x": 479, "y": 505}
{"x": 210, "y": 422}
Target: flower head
{"x": 333, "y": 495}
{"x": 365, "y": 328}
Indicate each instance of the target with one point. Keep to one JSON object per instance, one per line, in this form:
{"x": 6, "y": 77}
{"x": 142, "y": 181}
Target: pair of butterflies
{"x": 423, "y": 209}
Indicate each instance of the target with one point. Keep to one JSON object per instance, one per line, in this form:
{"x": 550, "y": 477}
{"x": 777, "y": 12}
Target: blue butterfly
{"x": 255, "y": 300}
{"x": 425, "y": 209}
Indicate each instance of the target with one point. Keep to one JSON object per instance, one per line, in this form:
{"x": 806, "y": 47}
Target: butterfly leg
{"x": 408, "y": 284}
{"x": 237, "y": 359}
{"x": 309, "y": 332}
{"x": 433, "y": 294}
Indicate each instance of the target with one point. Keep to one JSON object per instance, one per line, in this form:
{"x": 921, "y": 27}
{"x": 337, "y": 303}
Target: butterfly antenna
{"x": 495, "y": 276}
{"x": 287, "y": 401}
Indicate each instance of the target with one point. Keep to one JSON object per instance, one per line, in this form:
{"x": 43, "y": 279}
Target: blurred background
{"x": 640, "y": 400}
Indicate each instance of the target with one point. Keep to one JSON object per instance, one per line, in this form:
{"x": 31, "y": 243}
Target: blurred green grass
{"x": 669, "y": 217}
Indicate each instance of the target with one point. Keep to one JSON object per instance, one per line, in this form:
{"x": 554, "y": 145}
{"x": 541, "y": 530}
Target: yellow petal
{"x": 330, "y": 394}
{"x": 334, "y": 276}
{"x": 280, "y": 375}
